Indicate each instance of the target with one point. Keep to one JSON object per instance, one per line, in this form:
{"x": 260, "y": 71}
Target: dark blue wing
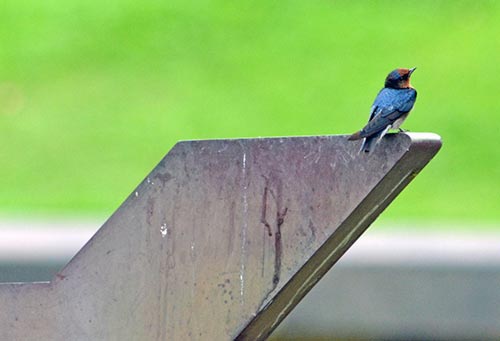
{"x": 389, "y": 105}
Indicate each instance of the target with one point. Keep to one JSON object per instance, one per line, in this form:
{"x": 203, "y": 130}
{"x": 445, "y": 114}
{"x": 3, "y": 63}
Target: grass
{"x": 92, "y": 94}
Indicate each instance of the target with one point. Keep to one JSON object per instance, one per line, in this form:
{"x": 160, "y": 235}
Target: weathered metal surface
{"x": 220, "y": 241}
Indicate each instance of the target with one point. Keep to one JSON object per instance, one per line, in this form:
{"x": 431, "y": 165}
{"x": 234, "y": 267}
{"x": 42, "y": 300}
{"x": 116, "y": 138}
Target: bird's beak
{"x": 411, "y": 71}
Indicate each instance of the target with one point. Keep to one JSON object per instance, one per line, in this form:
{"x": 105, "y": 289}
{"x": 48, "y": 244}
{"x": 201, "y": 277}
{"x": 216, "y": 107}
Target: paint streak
{"x": 243, "y": 228}
{"x": 230, "y": 243}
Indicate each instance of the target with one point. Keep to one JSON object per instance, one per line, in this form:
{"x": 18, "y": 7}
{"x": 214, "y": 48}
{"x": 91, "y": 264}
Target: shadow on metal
{"x": 220, "y": 241}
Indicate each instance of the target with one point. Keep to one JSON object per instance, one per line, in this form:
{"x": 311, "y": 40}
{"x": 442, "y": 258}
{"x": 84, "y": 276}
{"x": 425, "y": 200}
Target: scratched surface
{"x": 220, "y": 241}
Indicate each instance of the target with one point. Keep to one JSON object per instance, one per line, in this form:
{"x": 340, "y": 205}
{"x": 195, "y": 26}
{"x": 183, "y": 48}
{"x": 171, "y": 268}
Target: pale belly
{"x": 399, "y": 121}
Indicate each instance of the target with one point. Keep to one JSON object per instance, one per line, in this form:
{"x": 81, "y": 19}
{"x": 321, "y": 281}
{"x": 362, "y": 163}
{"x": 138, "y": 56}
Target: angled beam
{"x": 220, "y": 241}
{"x": 421, "y": 150}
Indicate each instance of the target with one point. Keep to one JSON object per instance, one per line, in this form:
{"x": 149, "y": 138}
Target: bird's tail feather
{"x": 382, "y": 134}
{"x": 369, "y": 143}
{"x": 355, "y": 136}
{"x": 366, "y": 146}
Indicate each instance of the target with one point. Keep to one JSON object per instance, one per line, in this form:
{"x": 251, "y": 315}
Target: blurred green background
{"x": 93, "y": 94}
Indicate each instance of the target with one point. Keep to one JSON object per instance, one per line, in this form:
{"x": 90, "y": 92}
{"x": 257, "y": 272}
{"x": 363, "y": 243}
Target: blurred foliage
{"x": 93, "y": 94}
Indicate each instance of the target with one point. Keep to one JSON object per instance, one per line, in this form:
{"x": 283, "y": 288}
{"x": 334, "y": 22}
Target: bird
{"x": 389, "y": 110}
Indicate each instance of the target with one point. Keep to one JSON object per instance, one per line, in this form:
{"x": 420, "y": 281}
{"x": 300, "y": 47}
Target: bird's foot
{"x": 401, "y": 130}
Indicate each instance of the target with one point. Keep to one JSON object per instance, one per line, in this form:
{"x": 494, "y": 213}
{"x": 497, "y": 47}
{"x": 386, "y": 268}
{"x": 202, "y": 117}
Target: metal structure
{"x": 220, "y": 241}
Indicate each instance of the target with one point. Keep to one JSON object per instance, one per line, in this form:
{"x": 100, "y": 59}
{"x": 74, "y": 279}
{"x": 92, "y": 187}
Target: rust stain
{"x": 313, "y": 229}
{"x": 280, "y": 219}
{"x": 263, "y": 218}
{"x": 150, "y": 209}
{"x": 278, "y": 245}
{"x": 60, "y": 276}
{"x": 230, "y": 242}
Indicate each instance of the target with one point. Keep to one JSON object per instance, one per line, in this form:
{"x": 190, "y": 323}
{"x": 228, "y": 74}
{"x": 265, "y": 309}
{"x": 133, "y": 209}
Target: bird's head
{"x": 399, "y": 79}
